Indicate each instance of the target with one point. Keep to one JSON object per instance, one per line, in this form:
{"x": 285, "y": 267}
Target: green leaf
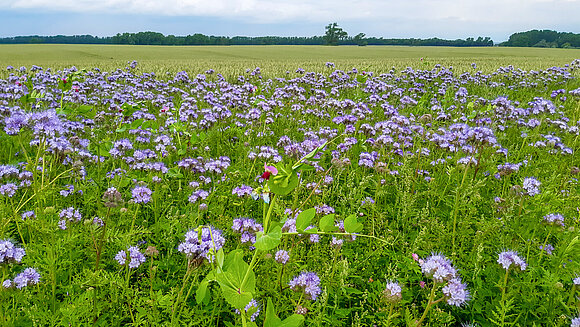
{"x": 313, "y": 230}
{"x": 266, "y": 242}
{"x": 284, "y": 182}
{"x": 230, "y": 280}
{"x": 201, "y": 294}
{"x": 304, "y": 218}
{"x": 272, "y": 319}
{"x": 220, "y": 257}
{"x": 327, "y": 224}
{"x": 351, "y": 225}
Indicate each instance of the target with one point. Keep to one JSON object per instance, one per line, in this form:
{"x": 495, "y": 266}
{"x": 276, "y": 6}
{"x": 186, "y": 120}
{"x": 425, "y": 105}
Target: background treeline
{"x": 543, "y": 39}
{"x": 534, "y": 38}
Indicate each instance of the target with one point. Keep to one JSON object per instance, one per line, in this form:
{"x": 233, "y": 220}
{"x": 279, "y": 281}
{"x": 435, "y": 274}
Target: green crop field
{"x": 274, "y": 60}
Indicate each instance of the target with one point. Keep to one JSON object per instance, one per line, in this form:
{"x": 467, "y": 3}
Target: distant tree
{"x": 360, "y": 40}
{"x": 334, "y": 34}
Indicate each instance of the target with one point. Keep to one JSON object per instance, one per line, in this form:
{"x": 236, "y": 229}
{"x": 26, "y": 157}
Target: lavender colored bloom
{"x": 69, "y": 214}
{"x": 456, "y": 292}
{"x": 26, "y": 278}
{"x": 282, "y": 256}
{"x": 576, "y": 281}
{"x": 252, "y": 307}
{"x": 554, "y": 219}
{"x": 7, "y": 283}
{"x": 28, "y": 215}
{"x": 198, "y": 248}
{"x": 8, "y": 189}
{"x": 248, "y": 228}
{"x": 575, "y": 322}
{"x": 68, "y": 190}
{"x": 243, "y": 190}
{"x": 136, "y": 257}
{"x": 507, "y": 258}
{"x": 197, "y": 195}
{"x": 548, "y": 248}
{"x": 307, "y": 282}
{"x": 532, "y": 186}
{"x": 10, "y": 252}
{"x": 439, "y": 268}
{"x": 141, "y": 194}
{"x": 392, "y": 292}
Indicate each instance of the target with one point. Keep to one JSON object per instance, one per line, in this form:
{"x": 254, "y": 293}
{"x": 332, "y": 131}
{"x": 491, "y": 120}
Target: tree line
{"x": 334, "y": 36}
{"x": 543, "y": 39}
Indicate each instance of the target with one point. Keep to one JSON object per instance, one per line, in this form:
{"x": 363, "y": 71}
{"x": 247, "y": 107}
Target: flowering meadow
{"x": 335, "y": 197}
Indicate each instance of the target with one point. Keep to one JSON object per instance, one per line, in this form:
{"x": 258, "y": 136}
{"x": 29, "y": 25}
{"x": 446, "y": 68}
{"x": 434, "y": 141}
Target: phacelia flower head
{"x": 252, "y": 308}
{"x": 10, "y": 253}
{"x": 554, "y": 219}
{"x": 456, "y": 292}
{"x": 69, "y": 214}
{"x": 307, "y": 282}
{"x": 532, "y": 186}
{"x": 112, "y": 198}
{"x": 242, "y": 191}
{"x": 392, "y": 292}
{"x": 141, "y": 194}
{"x": 439, "y": 268}
{"x": 248, "y": 228}
{"x": 135, "y": 256}
{"x": 26, "y": 278}
{"x": 198, "y": 248}
{"x": 507, "y": 258}
{"x": 282, "y": 256}
{"x": 575, "y": 322}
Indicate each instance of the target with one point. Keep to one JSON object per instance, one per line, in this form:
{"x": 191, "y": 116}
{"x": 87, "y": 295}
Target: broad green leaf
{"x": 283, "y": 183}
{"x": 351, "y": 225}
{"x": 201, "y": 294}
{"x": 272, "y": 319}
{"x": 304, "y": 218}
{"x": 220, "y": 257}
{"x": 313, "y": 230}
{"x": 230, "y": 280}
{"x": 327, "y": 224}
{"x": 266, "y": 242}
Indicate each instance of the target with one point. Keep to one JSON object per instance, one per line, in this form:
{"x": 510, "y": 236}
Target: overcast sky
{"x": 450, "y": 19}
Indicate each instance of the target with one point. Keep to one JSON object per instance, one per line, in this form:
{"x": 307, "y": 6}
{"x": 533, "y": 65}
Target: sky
{"x": 448, "y": 19}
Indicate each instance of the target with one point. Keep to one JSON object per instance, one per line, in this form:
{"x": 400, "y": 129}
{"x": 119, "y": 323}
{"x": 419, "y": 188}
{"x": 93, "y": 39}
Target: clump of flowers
{"x": 112, "y": 198}
{"x": 441, "y": 270}
{"x": 10, "y": 253}
{"x": 248, "y": 228}
{"x": 282, "y": 256}
{"x": 252, "y": 308}
{"x": 141, "y": 194}
{"x": 28, "y": 277}
{"x": 69, "y": 214}
{"x": 554, "y": 219}
{"x": 242, "y": 191}
{"x": 392, "y": 293}
{"x": 197, "y": 248}
{"x": 508, "y": 258}
{"x": 307, "y": 282}
{"x": 532, "y": 186}
{"x": 136, "y": 258}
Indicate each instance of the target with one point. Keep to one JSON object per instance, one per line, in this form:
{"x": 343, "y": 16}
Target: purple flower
{"x": 507, "y": 258}
{"x": 532, "y": 186}
{"x": 575, "y": 322}
{"x": 548, "y": 248}
{"x": 576, "y": 281}
{"x": 242, "y": 191}
{"x": 69, "y": 214}
{"x": 439, "y": 268}
{"x": 197, "y": 195}
{"x": 8, "y": 189}
{"x": 7, "y": 283}
{"x": 392, "y": 292}
{"x": 248, "y": 228}
{"x": 10, "y": 253}
{"x": 282, "y": 256}
{"x": 456, "y": 292}
{"x": 26, "y": 278}
{"x": 307, "y": 282}
{"x": 28, "y": 215}
{"x": 136, "y": 257}
{"x": 199, "y": 248}
{"x": 554, "y": 219}
{"x": 141, "y": 194}
{"x": 252, "y": 307}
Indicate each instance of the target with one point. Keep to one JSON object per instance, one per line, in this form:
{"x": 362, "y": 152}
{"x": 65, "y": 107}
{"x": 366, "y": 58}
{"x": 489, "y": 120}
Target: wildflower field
{"x": 335, "y": 195}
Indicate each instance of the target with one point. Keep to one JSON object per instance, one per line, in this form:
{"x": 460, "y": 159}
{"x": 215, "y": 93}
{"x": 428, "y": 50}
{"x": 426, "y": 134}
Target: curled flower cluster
{"x": 28, "y": 277}
{"x": 252, "y": 306}
{"x": 554, "y": 219}
{"x": 198, "y": 248}
{"x": 392, "y": 292}
{"x": 307, "y": 282}
{"x": 282, "y": 256}
{"x": 440, "y": 269}
{"x": 242, "y": 191}
{"x": 248, "y": 228}
{"x": 69, "y": 214}
{"x": 508, "y": 258}
{"x": 456, "y": 292}
{"x": 141, "y": 194}
{"x": 532, "y": 186}
{"x": 135, "y": 256}
{"x": 10, "y": 253}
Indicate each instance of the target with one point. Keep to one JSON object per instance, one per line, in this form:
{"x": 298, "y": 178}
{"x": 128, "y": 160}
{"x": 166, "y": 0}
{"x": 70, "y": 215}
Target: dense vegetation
{"x": 544, "y": 39}
{"x": 337, "y": 196}
{"x": 154, "y": 38}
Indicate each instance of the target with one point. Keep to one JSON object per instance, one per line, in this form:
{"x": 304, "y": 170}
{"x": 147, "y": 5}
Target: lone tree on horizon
{"x": 334, "y": 34}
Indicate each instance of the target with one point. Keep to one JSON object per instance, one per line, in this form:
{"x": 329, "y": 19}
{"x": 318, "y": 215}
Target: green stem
{"x": 102, "y": 240}
{"x": 503, "y": 294}
{"x": 177, "y": 301}
{"x": 429, "y": 305}
{"x": 456, "y": 207}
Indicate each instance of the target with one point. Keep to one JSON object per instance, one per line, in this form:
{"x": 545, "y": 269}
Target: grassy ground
{"x": 274, "y": 60}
